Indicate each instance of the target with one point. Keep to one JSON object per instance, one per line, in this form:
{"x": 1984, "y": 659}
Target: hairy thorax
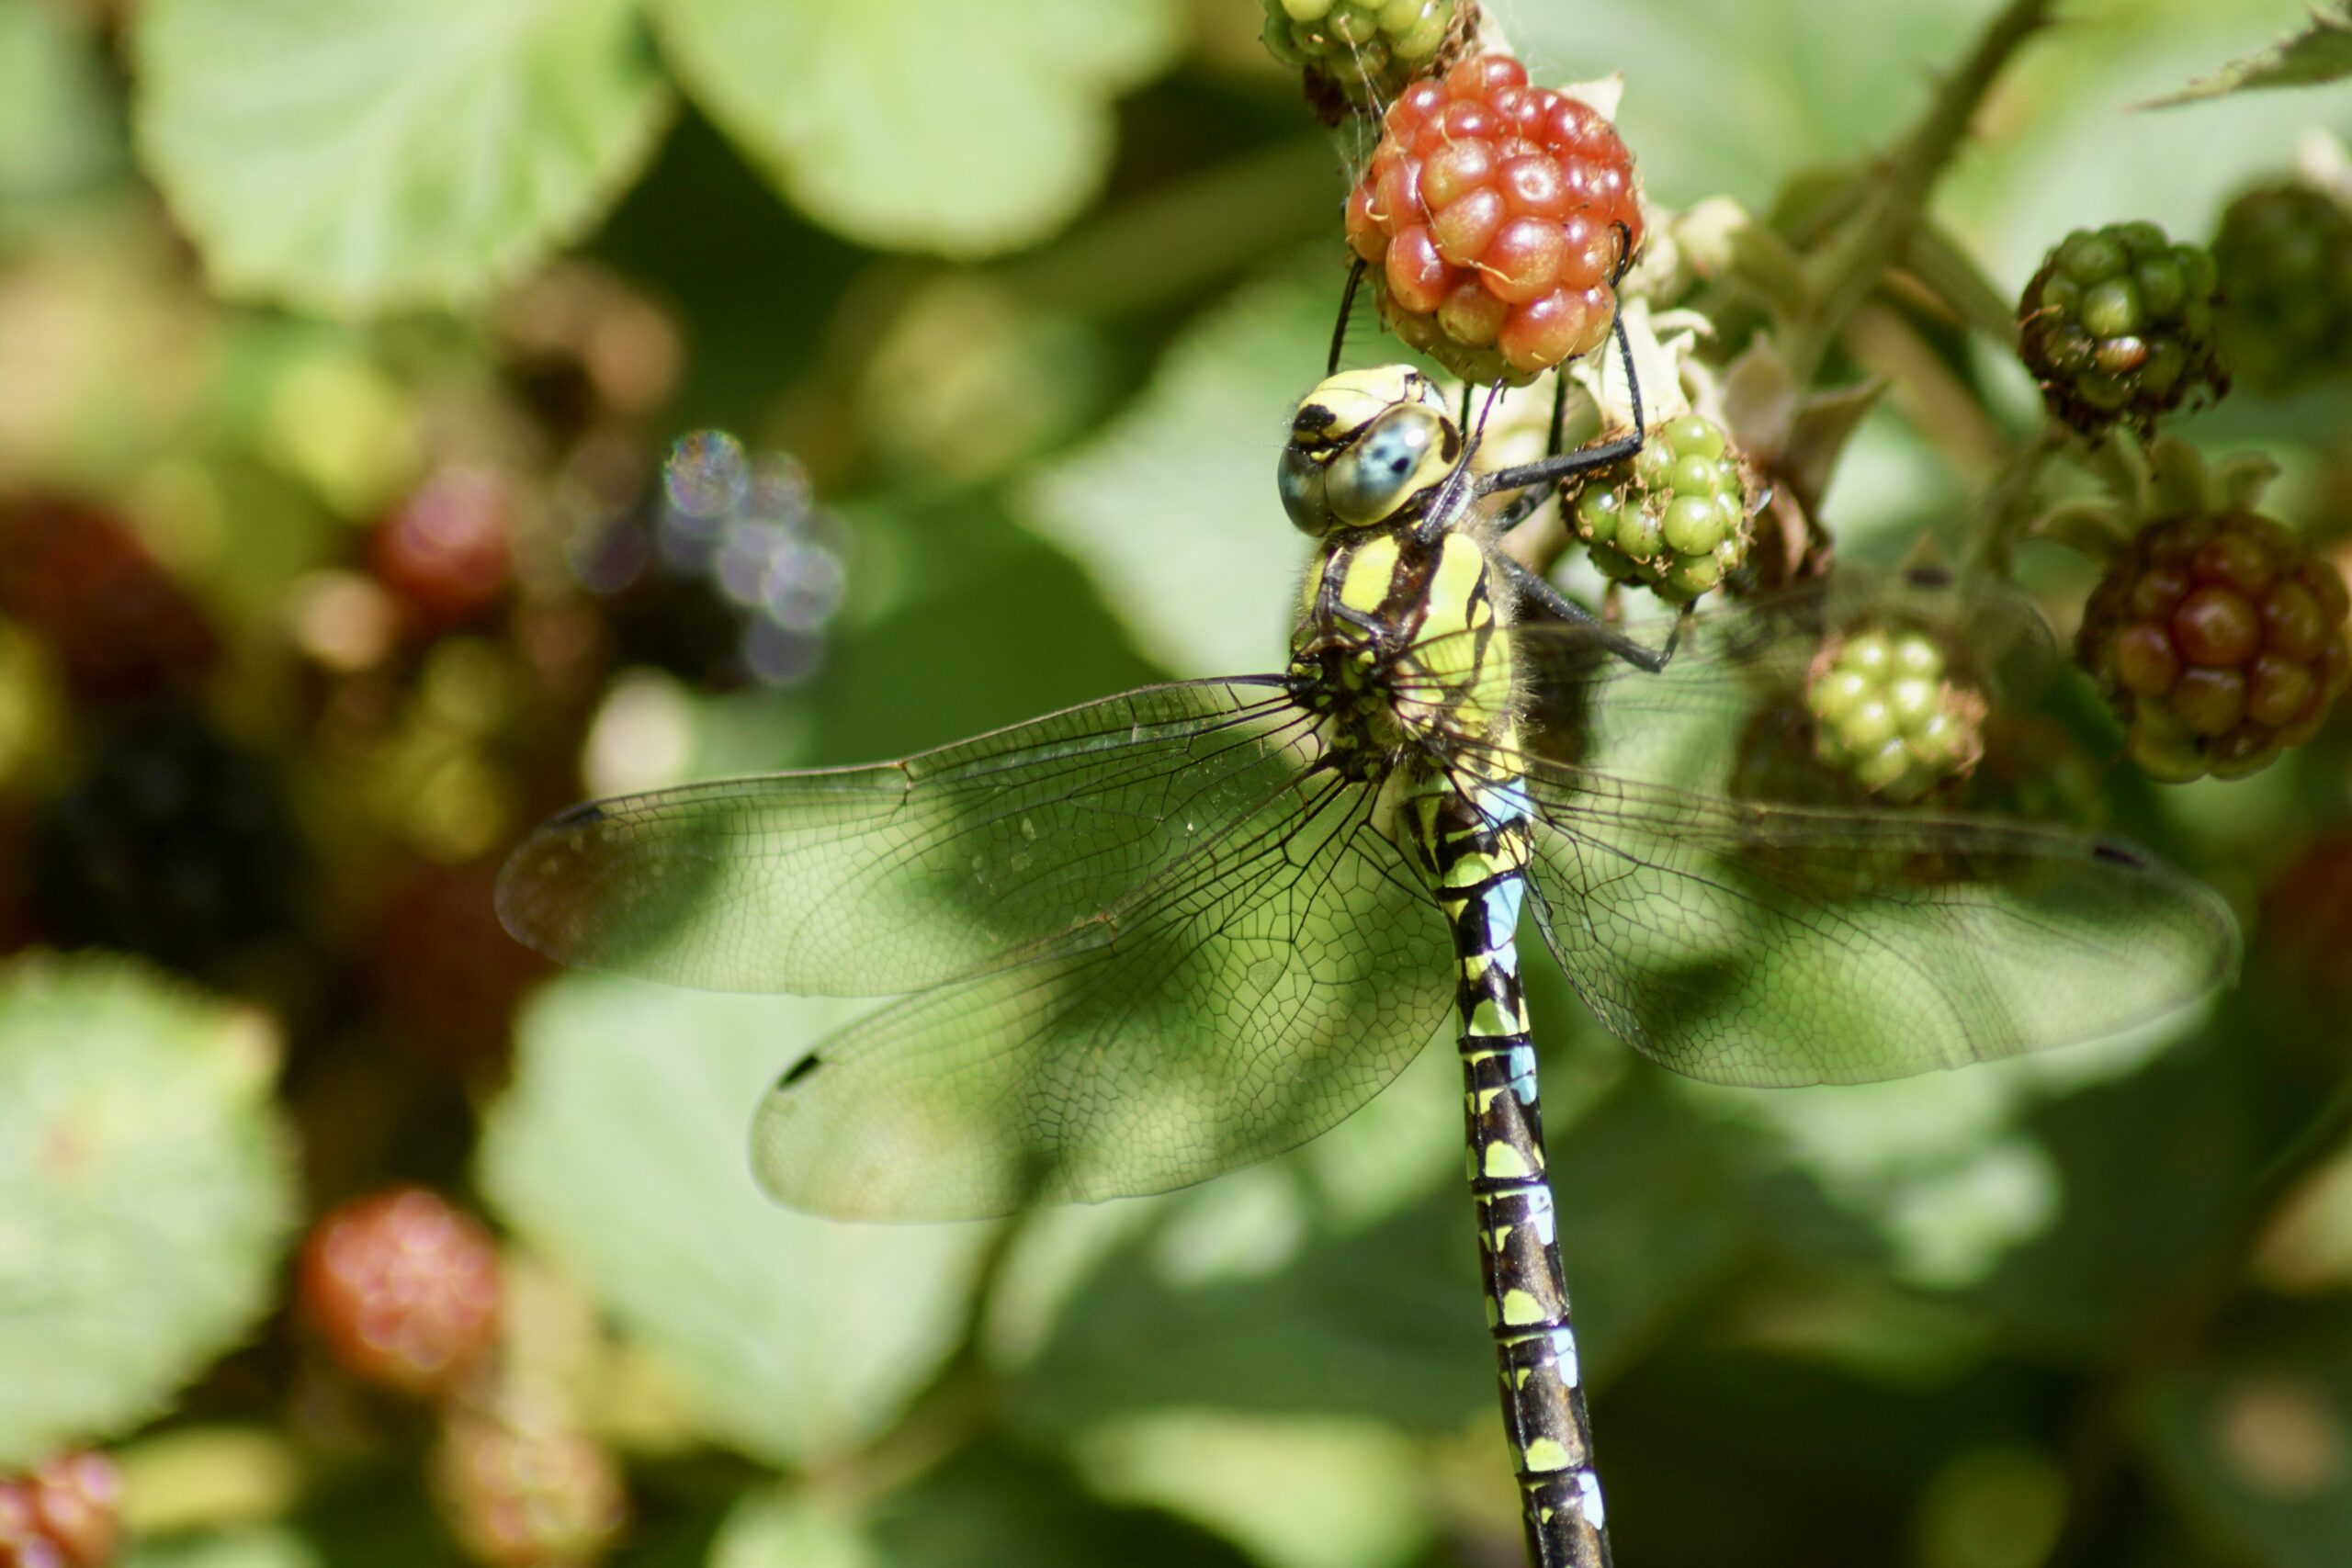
{"x": 1400, "y": 649}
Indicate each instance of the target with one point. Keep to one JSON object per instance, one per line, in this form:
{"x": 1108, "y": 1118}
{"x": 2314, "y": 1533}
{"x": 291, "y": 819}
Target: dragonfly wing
{"x": 1771, "y": 945}
{"x": 871, "y": 879}
{"x": 1252, "y": 997}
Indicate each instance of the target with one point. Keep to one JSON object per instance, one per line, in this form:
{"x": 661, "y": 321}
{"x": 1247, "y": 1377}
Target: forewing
{"x": 872, "y": 880}
{"x": 1756, "y": 945}
{"x": 1251, "y": 998}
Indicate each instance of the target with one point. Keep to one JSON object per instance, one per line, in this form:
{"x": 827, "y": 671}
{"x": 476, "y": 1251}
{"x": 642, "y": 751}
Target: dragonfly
{"x": 1157, "y": 937}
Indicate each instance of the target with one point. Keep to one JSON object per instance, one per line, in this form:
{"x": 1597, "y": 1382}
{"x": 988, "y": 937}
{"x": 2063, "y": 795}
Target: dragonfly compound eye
{"x": 1398, "y": 454}
{"x": 1300, "y": 480}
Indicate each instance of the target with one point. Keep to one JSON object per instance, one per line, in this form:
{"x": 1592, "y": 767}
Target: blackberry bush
{"x": 1889, "y": 714}
{"x": 404, "y": 1289}
{"x": 1495, "y": 218}
{"x": 1358, "y": 53}
{"x": 2119, "y": 327}
{"x": 2285, "y": 257}
{"x": 61, "y": 1514}
{"x": 1677, "y": 522}
{"x": 2220, "y": 641}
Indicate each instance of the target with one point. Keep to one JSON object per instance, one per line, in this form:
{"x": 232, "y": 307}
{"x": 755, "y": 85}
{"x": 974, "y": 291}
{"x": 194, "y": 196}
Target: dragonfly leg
{"x": 1532, "y": 588}
{"x": 1600, "y": 454}
{"x": 1347, "y": 310}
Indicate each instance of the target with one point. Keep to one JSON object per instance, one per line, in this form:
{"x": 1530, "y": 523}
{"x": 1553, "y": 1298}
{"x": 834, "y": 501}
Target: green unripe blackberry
{"x": 1677, "y": 522}
{"x": 2285, "y": 254}
{"x": 1359, "y": 53}
{"x": 2219, "y": 640}
{"x": 1888, "y": 715}
{"x": 2119, "y": 326}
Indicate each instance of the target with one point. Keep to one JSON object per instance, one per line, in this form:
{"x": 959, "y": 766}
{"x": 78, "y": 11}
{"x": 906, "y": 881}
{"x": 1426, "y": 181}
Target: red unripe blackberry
{"x": 2119, "y": 326}
{"x": 1494, "y": 218}
{"x": 62, "y": 1515}
{"x": 446, "y": 551}
{"x": 2285, "y": 253}
{"x": 80, "y": 578}
{"x": 404, "y": 1289}
{"x": 2220, "y": 641}
{"x": 521, "y": 1492}
{"x": 1358, "y": 53}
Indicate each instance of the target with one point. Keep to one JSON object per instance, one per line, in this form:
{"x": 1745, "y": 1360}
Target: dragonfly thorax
{"x": 1400, "y": 649}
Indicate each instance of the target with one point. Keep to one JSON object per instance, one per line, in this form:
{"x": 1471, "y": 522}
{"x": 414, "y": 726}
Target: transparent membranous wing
{"x": 872, "y": 880}
{"x": 1744, "y": 936}
{"x": 1253, "y": 995}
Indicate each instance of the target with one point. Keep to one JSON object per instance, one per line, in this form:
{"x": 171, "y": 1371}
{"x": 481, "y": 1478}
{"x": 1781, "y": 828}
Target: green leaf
{"x": 356, "y": 155}
{"x": 779, "y": 1529}
{"x": 2321, "y": 52}
{"x": 1172, "y": 509}
{"x": 54, "y": 133}
{"x": 964, "y": 127}
{"x": 622, "y": 1152}
{"x": 2252, "y": 1442}
{"x": 145, "y": 1195}
{"x": 264, "y": 1545}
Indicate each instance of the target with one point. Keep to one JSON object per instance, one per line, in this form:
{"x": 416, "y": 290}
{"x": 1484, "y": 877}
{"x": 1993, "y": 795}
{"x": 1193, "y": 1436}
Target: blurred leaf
{"x": 55, "y": 133}
{"x": 987, "y": 1506}
{"x": 355, "y": 157}
{"x": 145, "y": 1195}
{"x": 264, "y": 1545}
{"x": 1383, "y": 1321}
{"x": 622, "y": 1152}
{"x": 2321, "y": 52}
{"x": 960, "y": 126}
{"x": 1298, "y": 1492}
{"x": 2256, "y": 1443}
{"x": 782, "y": 1530}
{"x": 1172, "y": 508}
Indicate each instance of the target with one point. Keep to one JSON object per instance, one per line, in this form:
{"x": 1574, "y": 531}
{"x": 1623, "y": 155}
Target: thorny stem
{"x": 2011, "y": 503}
{"x": 1878, "y": 233}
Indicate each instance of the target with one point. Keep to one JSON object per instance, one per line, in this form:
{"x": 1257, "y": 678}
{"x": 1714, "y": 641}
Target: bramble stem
{"x": 1878, "y": 233}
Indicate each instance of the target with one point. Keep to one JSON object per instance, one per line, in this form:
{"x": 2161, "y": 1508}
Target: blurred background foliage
{"x": 340, "y": 347}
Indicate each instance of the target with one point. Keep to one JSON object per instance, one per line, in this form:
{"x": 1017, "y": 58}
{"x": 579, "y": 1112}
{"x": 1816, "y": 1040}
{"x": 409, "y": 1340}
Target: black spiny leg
{"x": 1534, "y": 589}
{"x": 1347, "y": 310}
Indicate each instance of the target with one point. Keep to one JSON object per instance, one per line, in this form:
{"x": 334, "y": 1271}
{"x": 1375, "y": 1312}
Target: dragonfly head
{"x": 1366, "y": 447}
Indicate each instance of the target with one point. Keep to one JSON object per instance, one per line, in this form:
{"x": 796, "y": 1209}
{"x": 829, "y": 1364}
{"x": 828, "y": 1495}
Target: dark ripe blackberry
{"x": 1356, "y": 54}
{"x": 2120, "y": 327}
{"x": 172, "y": 843}
{"x": 2219, "y": 640}
{"x": 77, "y": 576}
{"x": 1494, "y": 218}
{"x": 446, "y": 550}
{"x": 522, "y": 1491}
{"x": 2285, "y": 254}
{"x": 404, "y": 1289}
{"x": 63, "y": 1514}
{"x": 1674, "y": 518}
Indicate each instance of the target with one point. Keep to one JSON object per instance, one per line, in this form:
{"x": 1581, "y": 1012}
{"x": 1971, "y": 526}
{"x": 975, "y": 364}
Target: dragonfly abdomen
{"x": 1473, "y": 848}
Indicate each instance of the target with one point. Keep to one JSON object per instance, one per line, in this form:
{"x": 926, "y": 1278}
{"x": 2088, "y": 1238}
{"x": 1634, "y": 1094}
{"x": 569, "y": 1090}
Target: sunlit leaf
{"x": 145, "y": 1195}
{"x": 264, "y": 1545}
{"x": 622, "y": 1153}
{"x": 2321, "y": 52}
{"x": 357, "y": 156}
{"x": 959, "y": 126}
{"x": 1172, "y": 508}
